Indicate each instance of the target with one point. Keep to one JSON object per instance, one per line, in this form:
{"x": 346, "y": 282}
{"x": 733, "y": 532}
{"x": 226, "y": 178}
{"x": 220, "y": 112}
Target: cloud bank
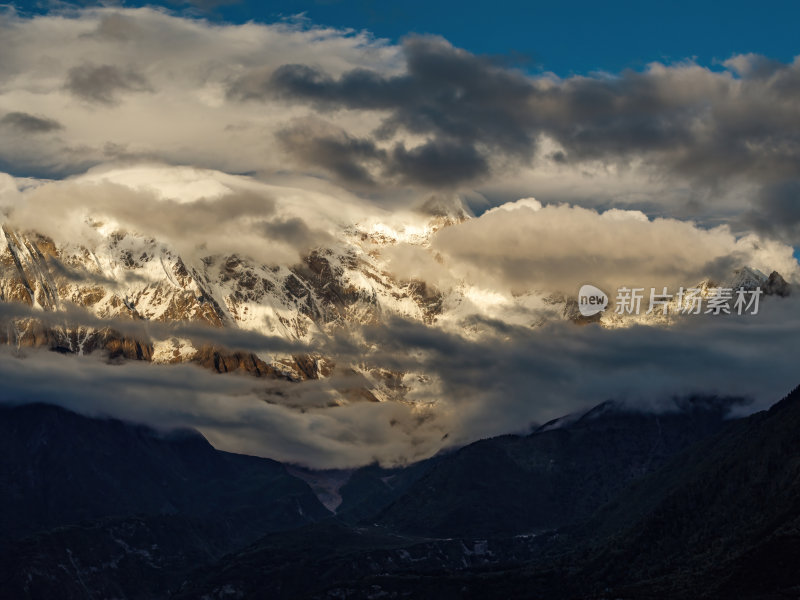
{"x": 679, "y": 139}
{"x": 505, "y": 381}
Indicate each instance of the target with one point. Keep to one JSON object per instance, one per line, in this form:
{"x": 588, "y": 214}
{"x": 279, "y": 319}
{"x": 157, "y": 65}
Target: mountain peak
{"x": 450, "y": 208}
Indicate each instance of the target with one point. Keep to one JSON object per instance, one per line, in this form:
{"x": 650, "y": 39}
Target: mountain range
{"x": 718, "y": 519}
{"x": 606, "y": 503}
{"x": 78, "y": 298}
{"x": 132, "y": 293}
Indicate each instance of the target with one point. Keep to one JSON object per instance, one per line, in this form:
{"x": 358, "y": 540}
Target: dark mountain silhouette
{"x": 555, "y": 476}
{"x": 59, "y": 468}
{"x": 468, "y": 513}
{"x": 683, "y": 504}
{"x": 122, "y": 509}
{"x": 721, "y": 521}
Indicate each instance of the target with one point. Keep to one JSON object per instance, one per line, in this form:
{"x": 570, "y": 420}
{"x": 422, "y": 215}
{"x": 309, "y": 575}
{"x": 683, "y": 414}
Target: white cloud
{"x": 558, "y": 248}
{"x": 197, "y": 212}
{"x": 529, "y": 203}
{"x": 187, "y": 65}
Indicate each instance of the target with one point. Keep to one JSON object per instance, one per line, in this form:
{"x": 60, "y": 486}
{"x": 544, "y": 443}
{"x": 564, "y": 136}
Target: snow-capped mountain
{"x": 118, "y": 275}
{"x": 115, "y": 272}
{"x": 131, "y": 276}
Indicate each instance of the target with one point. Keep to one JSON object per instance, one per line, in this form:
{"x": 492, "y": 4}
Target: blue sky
{"x": 564, "y": 37}
{"x": 567, "y": 37}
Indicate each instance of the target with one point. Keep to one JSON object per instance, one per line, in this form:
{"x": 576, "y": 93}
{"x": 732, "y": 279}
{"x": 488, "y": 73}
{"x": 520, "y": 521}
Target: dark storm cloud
{"x": 297, "y": 233}
{"x": 102, "y": 84}
{"x": 465, "y": 105}
{"x": 360, "y": 162}
{"x": 446, "y": 92}
{"x": 438, "y": 163}
{"x": 27, "y": 123}
{"x": 320, "y": 144}
{"x": 777, "y": 211}
{"x": 685, "y": 120}
{"x": 707, "y": 126}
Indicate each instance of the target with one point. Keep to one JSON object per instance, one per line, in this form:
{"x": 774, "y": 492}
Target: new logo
{"x": 591, "y": 300}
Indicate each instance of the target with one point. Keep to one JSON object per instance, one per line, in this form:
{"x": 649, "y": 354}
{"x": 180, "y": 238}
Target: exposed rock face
{"x": 123, "y": 347}
{"x": 32, "y": 333}
{"x": 572, "y": 312}
{"x": 230, "y": 362}
{"x": 129, "y": 277}
{"x": 776, "y": 285}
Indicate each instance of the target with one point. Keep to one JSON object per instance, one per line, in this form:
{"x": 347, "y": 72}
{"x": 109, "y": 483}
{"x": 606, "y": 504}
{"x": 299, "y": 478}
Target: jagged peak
{"x": 447, "y": 207}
